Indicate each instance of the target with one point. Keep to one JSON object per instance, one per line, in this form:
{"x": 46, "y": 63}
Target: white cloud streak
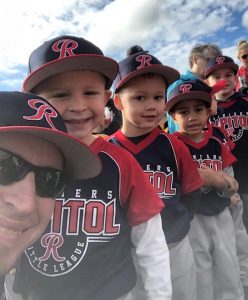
{"x": 167, "y": 28}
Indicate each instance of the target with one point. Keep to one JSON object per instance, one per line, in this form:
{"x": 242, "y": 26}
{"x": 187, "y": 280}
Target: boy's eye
{"x": 183, "y": 112}
{"x": 140, "y": 98}
{"x": 90, "y": 93}
{"x": 160, "y": 97}
{"x": 60, "y": 95}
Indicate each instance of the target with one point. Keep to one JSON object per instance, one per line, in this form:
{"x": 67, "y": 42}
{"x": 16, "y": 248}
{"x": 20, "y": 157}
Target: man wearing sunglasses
{"x": 37, "y": 159}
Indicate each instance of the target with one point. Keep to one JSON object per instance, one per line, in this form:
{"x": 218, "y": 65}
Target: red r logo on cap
{"x": 43, "y": 110}
{"x": 144, "y": 60}
{"x": 220, "y": 59}
{"x": 65, "y": 47}
{"x": 185, "y": 88}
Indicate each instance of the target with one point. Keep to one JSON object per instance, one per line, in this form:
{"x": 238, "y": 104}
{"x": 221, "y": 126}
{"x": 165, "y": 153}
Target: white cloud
{"x": 245, "y": 19}
{"x": 168, "y": 28}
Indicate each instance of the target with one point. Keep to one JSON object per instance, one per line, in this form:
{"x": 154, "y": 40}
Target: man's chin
{"x": 5, "y": 264}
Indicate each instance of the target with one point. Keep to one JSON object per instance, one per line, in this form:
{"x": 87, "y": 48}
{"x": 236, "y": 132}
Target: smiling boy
{"x": 140, "y": 96}
{"x": 86, "y": 252}
{"x": 211, "y": 233}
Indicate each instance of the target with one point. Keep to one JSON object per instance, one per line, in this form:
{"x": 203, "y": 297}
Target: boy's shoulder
{"x": 117, "y": 153}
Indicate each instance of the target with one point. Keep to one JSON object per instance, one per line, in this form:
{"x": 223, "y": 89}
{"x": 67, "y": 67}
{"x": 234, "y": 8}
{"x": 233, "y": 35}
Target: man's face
{"x": 23, "y": 214}
{"x": 201, "y": 62}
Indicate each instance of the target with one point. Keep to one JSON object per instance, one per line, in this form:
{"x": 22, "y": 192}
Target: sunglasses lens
{"x": 11, "y": 168}
{"x": 50, "y": 182}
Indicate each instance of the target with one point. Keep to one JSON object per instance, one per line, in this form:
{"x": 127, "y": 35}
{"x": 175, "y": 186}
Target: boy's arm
{"x": 222, "y": 181}
{"x": 192, "y": 200}
{"x": 152, "y": 259}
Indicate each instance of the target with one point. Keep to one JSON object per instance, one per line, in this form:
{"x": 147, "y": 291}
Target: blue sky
{"x": 167, "y": 28}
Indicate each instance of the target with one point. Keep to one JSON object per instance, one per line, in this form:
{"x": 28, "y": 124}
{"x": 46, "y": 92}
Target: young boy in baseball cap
{"x": 86, "y": 251}
{"x": 231, "y": 115}
{"x": 35, "y": 167}
{"x": 212, "y": 231}
{"x": 140, "y": 95}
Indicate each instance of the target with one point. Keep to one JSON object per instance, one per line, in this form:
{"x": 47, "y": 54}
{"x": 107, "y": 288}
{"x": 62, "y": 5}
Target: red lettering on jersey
{"x": 159, "y": 182}
{"x": 214, "y": 164}
{"x": 97, "y": 218}
{"x": 243, "y": 121}
{"x": 94, "y": 217}
{"x": 57, "y": 214}
{"x": 162, "y": 183}
{"x": 74, "y": 207}
{"x": 217, "y": 165}
{"x": 223, "y": 122}
{"x": 111, "y": 227}
{"x": 169, "y": 190}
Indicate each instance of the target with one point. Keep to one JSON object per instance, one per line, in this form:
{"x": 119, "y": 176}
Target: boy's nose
{"x": 77, "y": 103}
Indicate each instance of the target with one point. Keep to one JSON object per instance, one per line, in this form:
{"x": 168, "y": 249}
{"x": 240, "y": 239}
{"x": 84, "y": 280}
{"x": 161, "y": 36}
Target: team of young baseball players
{"x": 163, "y": 219}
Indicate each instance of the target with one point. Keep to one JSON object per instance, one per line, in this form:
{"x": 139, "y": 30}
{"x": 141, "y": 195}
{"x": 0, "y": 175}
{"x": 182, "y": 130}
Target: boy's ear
{"x": 118, "y": 102}
{"x": 108, "y": 94}
{"x": 173, "y": 117}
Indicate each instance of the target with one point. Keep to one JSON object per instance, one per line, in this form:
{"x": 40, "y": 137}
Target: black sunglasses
{"x": 244, "y": 56}
{"x": 49, "y": 182}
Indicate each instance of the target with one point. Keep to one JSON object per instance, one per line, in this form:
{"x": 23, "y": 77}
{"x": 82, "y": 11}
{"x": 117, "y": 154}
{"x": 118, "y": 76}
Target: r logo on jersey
{"x": 76, "y": 223}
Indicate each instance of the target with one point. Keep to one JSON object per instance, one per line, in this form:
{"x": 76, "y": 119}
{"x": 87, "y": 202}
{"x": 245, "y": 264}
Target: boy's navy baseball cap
{"x": 221, "y": 62}
{"x": 67, "y": 53}
{"x": 33, "y": 115}
{"x": 192, "y": 89}
{"x": 140, "y": 62}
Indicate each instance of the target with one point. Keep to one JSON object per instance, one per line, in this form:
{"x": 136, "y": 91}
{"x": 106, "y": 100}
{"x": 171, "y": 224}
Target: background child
{"x": 242, "y": 55}
{"x": 232, "y": 115}
{"x": 140, "y": 95}
{"x": 198, "y": 58}
{"x": 86, "y": 251}
{"x": 212, "y": 231}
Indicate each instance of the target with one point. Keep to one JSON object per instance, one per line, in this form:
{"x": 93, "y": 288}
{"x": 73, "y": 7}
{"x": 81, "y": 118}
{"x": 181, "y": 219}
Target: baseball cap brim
{"x": 80, "y": 161}
{"x": 228, "y": 65}
{"x": 168, "y": 73}
{"x": 88, "y": 62}
{"x": 203, "y": 96}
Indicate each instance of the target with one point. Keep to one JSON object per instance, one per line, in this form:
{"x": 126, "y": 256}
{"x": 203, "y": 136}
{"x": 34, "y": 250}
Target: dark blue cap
{"x": 33, "y": 115}
{"x": 67, "y": 53}
{"x": 140, "y": 62}
{"x": 221, "y": 62}
{"x": 192, "y": 89}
